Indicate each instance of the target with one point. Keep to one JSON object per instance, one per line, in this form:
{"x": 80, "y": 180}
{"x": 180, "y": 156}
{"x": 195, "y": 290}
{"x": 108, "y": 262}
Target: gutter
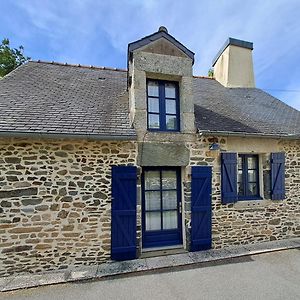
{"x": 246, "y": 134}
{"x": 97, "y": 137}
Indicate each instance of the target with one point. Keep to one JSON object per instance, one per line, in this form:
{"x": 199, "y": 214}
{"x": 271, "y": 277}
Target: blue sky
{"x": 96, "y": 32}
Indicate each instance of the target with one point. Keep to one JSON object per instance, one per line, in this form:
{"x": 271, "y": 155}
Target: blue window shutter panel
{"x": 277, "y": 176}
{"x": 123, "y": 213}
{"x": 229, "y": 177}
{"x": 201, "y": 208}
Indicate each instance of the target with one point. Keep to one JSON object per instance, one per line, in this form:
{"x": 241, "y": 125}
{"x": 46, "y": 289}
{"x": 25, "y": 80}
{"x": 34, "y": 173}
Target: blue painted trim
{"x": 167, "y": 237}
{"x": 162, "y": 106}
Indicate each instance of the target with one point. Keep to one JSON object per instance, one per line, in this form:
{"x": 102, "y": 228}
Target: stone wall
{"x": 249, "y": 221}
{"x": 55, "y": 202}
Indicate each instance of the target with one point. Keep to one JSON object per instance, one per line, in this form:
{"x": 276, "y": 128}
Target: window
{"x": 163, "y": 105}
{"x": 248, "y": 177}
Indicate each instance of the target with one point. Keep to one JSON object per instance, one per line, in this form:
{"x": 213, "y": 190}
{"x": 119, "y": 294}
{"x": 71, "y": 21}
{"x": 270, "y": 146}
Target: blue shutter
{"x": 123, "y": 213}
{"x": 277, "y": 176}
{"x": 201, "y": 208}
{"x": 229, "y": 177}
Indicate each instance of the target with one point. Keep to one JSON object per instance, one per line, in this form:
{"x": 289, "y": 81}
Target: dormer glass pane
{"x": 170, "y": 90}
{"x": 153, "y": 121}
{"x": 170, "y": 106}
{"x": 171, "y": 122}
{"x": 153, "y": 105}
{"x": 153, "y": 88}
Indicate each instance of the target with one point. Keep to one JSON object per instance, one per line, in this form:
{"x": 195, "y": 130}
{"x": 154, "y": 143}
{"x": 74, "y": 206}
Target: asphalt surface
{"x": 273, "y": 275}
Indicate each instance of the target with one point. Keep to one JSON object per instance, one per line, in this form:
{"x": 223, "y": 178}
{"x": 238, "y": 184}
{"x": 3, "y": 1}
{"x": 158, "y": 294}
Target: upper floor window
{"x": 248, "y": 181}
{"x": 163, "y": 105}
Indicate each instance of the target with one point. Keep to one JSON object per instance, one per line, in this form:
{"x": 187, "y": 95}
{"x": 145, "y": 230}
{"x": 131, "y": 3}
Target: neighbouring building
{"x": 100, "y": 164}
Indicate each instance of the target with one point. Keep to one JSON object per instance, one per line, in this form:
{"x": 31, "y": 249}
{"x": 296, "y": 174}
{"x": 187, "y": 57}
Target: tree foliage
{"x": 10, "y": 58}
{"x": 210, "y": 73}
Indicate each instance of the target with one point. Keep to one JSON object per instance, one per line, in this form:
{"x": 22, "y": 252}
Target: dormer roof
{"x": 162, "y": 33}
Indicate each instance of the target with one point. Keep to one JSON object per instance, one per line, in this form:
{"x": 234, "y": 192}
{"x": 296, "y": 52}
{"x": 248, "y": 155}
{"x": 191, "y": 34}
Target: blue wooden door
{"x": 201, "y": 208}
{"x": 123, "y": 213}
{"x": 161, "y": 207}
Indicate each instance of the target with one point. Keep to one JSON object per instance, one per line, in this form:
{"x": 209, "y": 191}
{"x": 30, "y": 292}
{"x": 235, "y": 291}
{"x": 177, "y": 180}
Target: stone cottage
{"x": 100, "y": 164}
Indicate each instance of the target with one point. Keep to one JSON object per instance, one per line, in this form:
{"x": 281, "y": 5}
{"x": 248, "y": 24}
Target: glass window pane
{"x": 169, "y": 199}
{"x": 153, "y": 105}
{"x": 170, "y": 89}
{"x": 240, "y": 163}
{"x": 252, "y": 175}
{"x": 169, "y": 179}
{"x": 240, "y": 189}
{"x": 252, "y": 162}
{"x": 152, "y": 200}
{"x": 252, "y": 189}
{"x": 153, "y": 221}
{"x": 153, "y": 121}
{"x": 171, "y": 122}
{"x": 152, "y": 180}
{"x": 170, "y": 106}
{"x": 240, "y": 176}
{"x": 153, "y": 88}
{"x": 170, "y": 220}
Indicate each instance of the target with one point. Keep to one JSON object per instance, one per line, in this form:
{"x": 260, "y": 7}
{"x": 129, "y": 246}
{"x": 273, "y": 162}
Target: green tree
{"x": 210, "y": 73}
{"x": 10, "y": 58}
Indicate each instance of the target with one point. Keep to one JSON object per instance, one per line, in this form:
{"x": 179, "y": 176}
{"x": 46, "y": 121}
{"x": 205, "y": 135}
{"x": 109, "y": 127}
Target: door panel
{"x": 161, "y": 207}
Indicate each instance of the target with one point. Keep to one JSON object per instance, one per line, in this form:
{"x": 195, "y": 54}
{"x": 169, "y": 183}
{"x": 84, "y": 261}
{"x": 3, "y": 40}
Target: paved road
{"x": 267, "y": 276}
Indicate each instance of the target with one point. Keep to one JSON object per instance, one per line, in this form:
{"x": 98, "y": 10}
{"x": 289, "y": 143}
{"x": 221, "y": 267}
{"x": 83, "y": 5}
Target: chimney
{"x": 233, "y": 65}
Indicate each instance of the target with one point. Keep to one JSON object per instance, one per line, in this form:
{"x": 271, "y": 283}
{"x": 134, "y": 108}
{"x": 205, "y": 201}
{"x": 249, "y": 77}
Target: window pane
{"x": 170, "y": 219}
{"x": 169, "y": 179}
{"x": 170, "y": 106}
{"x": 252, "y": 189}
{"x": 153, "y": 121}
{"x": 252, "y": 162}
{"x": 169, "y": 199}
{"x": 171, "y": 122}
{"x": 252, "y": 175}
{"x": 152, "y": 200}
{"x": 240, "y": 162}
{"x": 152, "y": 180}
{"x": 153, "y": 88}
{"x": 170, "y": 89}
{"x": 240, "y": 176}
{"x": 153, "y": 105}
{"x": 240, "y": 189}
{"x": 153, "y": 221}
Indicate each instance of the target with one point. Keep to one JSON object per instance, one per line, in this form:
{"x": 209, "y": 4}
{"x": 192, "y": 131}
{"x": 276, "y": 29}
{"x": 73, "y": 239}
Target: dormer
{"x": 160, "y": 84}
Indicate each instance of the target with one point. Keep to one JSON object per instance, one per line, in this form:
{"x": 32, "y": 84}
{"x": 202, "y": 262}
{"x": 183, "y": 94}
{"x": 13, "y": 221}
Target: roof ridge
{"x": 78, "y": 65}
{"x": 95, "y": 67}
{"x": 203, "y": 77}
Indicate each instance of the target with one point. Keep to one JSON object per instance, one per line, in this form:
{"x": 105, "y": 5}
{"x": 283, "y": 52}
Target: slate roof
{"x": 53, "y": 98}
{"x": 45, "y": 98}
{"x": 244, "y": 110}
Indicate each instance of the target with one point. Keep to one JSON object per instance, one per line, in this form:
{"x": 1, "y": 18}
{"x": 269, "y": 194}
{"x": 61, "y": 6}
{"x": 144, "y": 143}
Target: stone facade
{"x": 55, "y": 202}
{"x": 55, "y": 198}
{"x": 249, "y": 221}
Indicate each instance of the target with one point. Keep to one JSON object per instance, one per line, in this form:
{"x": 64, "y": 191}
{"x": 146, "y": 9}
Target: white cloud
{"x": 98, "y": 31}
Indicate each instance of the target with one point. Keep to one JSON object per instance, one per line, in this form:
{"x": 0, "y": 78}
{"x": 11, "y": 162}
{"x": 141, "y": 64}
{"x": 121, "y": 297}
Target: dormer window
{"x": 163, "y": 105}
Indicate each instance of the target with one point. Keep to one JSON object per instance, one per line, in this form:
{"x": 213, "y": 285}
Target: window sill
{"x": 256, "y": 204}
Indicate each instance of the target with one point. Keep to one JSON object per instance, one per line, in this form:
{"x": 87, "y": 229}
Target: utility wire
{"x": 281, "y": 90}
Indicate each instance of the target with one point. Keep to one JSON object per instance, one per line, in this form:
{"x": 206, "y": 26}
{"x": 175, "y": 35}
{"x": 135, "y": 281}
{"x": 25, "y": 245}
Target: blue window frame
{"x": 248, "y": 177}
{"x": 163, "y": 105}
